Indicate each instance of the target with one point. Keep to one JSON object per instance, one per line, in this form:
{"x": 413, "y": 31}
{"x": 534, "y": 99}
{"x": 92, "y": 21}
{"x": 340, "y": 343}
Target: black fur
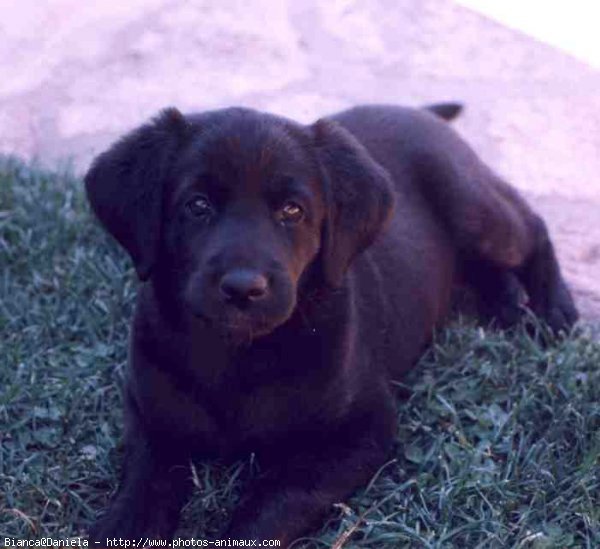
{"x": 290, "y": 271}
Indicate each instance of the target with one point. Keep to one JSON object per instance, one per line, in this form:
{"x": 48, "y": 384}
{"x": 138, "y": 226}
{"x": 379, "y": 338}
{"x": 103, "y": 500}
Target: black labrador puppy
{"x": 289, "y": 272}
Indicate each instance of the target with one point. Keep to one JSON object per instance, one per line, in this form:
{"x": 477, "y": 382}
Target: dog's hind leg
{"x": 499, "y": 296}
{"x": 499, "y": 237}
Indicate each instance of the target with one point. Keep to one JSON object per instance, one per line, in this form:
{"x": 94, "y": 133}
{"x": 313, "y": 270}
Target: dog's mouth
{"x": 238, "y": 328}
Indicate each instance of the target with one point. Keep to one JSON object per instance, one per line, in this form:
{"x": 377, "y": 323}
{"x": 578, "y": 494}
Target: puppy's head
{"x": 231, "y": 210}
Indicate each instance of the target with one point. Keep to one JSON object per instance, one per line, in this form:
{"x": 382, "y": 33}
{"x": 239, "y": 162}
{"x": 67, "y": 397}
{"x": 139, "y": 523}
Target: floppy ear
{"x": 125, "y": 185}
{"x": 359, "y": 197}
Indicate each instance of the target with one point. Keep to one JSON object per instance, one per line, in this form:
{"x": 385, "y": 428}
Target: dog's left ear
{"x": 359, "y": 196}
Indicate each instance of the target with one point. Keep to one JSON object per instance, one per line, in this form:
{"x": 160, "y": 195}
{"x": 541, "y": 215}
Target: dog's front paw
{"x": 134, "y": 523}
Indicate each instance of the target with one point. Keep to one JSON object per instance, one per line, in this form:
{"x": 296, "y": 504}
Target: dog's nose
{"x": 243, "y": 285}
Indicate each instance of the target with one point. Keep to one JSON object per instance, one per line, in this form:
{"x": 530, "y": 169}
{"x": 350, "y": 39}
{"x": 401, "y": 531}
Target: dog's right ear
{"x": 125, "y": 185}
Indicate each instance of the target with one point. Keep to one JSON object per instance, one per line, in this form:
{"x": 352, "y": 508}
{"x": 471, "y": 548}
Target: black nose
{"x": 243, "y": 285}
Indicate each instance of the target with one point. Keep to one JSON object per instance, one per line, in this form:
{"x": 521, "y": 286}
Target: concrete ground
{"x": 74, "y": 75}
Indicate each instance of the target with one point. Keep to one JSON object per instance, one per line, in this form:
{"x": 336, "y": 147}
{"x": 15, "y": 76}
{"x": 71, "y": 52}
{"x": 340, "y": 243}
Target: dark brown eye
{"x": 291, "y": 212}
{"x": 199, "y": 206}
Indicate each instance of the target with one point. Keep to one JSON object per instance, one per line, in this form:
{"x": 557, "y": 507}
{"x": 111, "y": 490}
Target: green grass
{"x": 498, "y": 444}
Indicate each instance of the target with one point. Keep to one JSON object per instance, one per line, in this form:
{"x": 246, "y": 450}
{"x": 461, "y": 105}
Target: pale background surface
{"x": 74, "y": 75}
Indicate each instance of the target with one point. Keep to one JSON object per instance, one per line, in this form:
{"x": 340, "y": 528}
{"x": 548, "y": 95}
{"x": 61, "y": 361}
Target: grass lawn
{"x": 498, "y": 442}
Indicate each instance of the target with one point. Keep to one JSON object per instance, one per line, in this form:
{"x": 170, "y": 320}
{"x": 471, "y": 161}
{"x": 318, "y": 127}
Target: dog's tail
{"x": 446, "y": 111}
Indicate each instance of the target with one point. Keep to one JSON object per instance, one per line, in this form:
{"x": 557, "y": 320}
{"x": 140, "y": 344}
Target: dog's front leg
{"x": 154, "y": 485}
{"x": 293, "y": 496}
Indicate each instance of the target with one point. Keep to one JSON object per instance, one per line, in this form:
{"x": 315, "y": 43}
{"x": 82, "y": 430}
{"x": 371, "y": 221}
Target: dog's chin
{"x": 240, "y": 329}
{"x": 242, "y": 334}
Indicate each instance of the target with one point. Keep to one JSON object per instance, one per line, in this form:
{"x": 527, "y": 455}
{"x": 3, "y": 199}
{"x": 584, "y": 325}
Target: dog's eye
{"x": 291, "y": 213}
{"x": 199, "y": 206}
